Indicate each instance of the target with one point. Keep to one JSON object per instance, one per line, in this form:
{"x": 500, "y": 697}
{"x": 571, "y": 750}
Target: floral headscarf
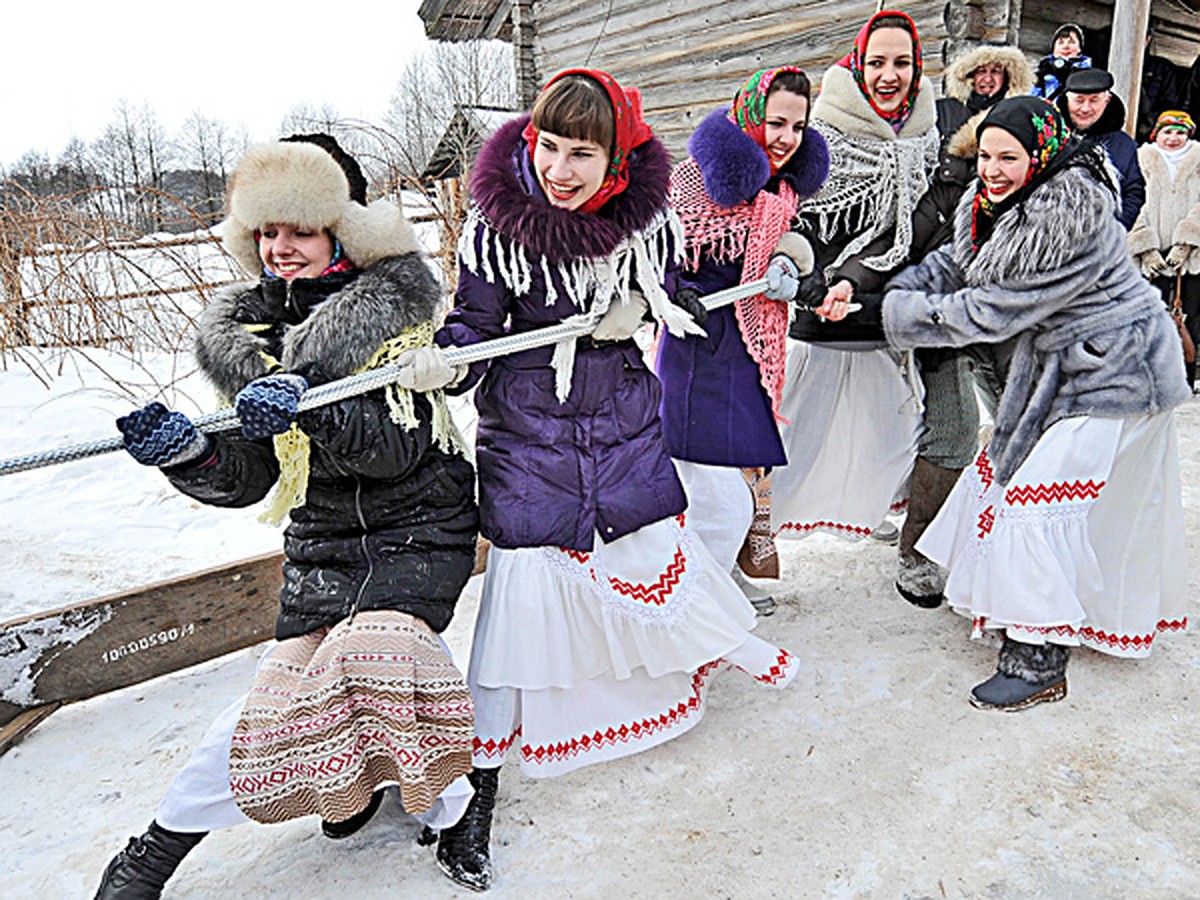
{"x": 749, "y": 109}
{"x": 630, "y": 132}
{"x": 856, "y": 58}
{"x": 1042, "y": 130}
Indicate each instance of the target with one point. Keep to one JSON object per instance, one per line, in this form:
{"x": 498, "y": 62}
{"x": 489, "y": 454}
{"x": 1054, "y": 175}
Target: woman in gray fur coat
{"x": 1068, "y": 529}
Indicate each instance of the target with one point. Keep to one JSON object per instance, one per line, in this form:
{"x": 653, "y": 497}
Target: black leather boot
{"x": 347, "y": 827}
{"x": 140, "y": 870}
{"x": 462, "y": 851}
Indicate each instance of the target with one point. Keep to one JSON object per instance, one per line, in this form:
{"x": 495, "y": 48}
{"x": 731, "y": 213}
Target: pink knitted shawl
{"x": 750, "y": 230}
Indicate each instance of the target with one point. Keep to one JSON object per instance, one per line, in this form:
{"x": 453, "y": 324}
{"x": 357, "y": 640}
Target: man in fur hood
{"x": 979, "y": 79}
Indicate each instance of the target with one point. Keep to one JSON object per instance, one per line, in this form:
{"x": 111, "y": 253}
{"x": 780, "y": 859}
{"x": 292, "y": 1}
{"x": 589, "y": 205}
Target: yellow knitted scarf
{"x": 292, "y": 447}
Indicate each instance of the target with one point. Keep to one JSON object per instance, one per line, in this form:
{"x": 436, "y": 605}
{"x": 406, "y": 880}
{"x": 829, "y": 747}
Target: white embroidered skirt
{"x": 850, "y": 437}
{"x": 1084, "y": 546}
{"x": 585, "y": 657}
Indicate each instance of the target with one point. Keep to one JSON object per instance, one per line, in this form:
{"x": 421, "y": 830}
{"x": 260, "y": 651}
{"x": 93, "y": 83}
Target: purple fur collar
{"x": 735, "y": 168}
{"x": 508, "y": 195}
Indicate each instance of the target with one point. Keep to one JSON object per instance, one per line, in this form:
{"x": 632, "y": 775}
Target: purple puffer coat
{"x": 715, "y": 409}
{"x": 556, "y": 473}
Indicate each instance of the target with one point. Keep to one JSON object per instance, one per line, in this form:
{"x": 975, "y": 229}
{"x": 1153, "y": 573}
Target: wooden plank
{"x": 101, "y": 645}
{"x": 90, "y": 648}
{"x": 15, "y": 731}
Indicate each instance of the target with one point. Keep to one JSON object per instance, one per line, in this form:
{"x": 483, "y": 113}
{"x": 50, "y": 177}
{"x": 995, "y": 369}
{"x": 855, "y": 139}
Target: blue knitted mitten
{"x": 155, "y": 436}
{"x": 268, "y": 405}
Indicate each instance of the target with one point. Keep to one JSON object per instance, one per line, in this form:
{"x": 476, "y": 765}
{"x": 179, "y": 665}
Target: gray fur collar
{"x": 336, "y": 339}
{"x": 842, "y": 105}
{"x": 1037, "y": 236}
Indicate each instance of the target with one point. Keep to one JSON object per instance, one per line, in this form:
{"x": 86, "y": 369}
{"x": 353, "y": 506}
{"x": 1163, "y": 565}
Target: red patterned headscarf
{"x": 856, "y": 58}
{"x": 630, "y": 132}
{"x": 749, "y": 109}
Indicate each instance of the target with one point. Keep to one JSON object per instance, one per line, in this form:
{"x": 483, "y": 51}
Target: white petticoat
{"x": 1084, "y": 546}
{"x": 850, "y": 438}
{"x": 720, "y": 508}
{"x": 587, "y": 657}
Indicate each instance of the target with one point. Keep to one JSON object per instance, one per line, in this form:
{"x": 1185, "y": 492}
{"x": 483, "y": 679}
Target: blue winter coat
{"x": 715, "y": 409}
{"x": 557, "y": 472}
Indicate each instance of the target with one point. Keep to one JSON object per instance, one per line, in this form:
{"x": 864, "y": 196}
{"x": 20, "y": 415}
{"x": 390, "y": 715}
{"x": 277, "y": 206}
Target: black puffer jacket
{"x": 389, "y": 520}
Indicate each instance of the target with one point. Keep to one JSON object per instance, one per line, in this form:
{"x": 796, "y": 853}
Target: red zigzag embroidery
{"x": 1057, "y": 492}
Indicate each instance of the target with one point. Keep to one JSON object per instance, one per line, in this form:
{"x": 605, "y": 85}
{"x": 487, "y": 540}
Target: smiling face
{"x": 291, "y": 251}
{"x": 888, "y": 67}
{"x": 786, "y": 116}
{"x": 570, "y": 171}
{"x": 1171, "y": 137}
{"x": 988, "y": 79}
{"x": 1067, "y": 45}
{"x": 1003, "y": 163}
{"x": 1086, "y": 109}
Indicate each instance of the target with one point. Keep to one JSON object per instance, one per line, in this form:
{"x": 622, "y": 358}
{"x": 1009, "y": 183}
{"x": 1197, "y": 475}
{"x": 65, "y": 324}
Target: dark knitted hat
{"x": 1089, "y": 81}
{"x": 1067, "y": 28}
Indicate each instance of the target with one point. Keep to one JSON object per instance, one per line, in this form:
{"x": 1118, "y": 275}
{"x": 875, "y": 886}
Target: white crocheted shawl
{"x": 876, "y": 175}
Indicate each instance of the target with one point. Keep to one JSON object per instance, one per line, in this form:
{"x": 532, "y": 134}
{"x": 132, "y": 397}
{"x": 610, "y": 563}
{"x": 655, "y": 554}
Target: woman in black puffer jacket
{"x": 360, "y": 692}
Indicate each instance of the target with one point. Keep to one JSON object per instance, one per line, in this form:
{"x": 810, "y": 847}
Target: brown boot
{"x": 758, "y": 557}
{"x": 920, "y": 580}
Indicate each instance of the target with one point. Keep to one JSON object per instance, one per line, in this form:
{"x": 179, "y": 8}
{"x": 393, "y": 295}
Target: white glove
{"x": 1178, "y": 256}
{"x": 783, "y": 279}
{"x": 622, "y": 319}
{"x": 1152, "y": 264}
{"x": 426, "y": 369}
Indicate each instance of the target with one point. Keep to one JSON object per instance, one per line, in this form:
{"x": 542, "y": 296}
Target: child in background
{"x": 1066, "y": 56}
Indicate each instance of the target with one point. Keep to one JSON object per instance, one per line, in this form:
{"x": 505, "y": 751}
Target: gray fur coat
{"x": 1092, "y": 337}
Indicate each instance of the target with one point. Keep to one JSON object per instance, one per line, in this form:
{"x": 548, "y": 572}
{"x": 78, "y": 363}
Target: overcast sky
{"x": 67, "y": 63}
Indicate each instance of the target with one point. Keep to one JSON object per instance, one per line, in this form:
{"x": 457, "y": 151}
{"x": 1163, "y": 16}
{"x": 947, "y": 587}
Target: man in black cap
{"x": 1095, "y": 112}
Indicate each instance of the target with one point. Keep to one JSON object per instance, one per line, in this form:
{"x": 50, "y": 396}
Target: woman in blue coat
{"x": 737, "y": 195}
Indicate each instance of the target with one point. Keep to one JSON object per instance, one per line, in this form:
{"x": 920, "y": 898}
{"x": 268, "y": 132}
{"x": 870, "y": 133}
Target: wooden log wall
{"x": 689, "y": 56}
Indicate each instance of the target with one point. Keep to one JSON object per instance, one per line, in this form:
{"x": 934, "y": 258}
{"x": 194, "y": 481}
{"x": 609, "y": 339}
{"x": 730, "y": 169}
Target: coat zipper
{"x": 362, "y": 521}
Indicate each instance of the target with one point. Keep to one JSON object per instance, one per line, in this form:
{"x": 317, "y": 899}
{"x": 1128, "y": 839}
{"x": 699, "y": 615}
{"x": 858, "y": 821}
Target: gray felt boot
{"x": 1026, "y": 675}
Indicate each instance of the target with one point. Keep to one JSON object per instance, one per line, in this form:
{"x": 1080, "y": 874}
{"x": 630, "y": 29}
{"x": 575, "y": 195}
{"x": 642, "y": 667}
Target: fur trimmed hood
{"x": 301, "y": 184}
{"x": 842, "y": 105}
{"x": 1020, "y": 74}
{"x": 735, "y": 168}
{"x": 352, "y": 315}
{"x": 964, "y": 143}
{"x": 505, "y": 189}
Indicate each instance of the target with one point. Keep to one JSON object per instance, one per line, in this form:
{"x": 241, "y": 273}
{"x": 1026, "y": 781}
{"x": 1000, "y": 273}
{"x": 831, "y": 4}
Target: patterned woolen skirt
{"x": 337, "y": 713}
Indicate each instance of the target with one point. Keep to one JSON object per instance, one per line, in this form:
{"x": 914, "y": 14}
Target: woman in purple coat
{"x": 737, "y": 194}
{"x": 601, "y": 615}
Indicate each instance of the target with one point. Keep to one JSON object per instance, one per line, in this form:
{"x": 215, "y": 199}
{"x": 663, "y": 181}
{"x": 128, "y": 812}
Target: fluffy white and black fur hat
{"x": 298, "y": 181}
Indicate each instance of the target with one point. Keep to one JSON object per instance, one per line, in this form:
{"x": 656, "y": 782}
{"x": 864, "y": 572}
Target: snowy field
{"x": 870, "y": 776}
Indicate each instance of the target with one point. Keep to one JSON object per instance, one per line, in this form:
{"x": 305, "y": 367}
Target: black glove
{"x": 812, "y": 289}
{"x": 155, "y": 436}
{"x": 688, "y": 299}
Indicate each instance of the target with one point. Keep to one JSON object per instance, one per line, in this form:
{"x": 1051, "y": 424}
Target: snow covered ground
{"x": 870, "y": 776}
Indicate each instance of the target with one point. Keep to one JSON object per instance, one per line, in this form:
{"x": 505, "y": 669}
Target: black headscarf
{"x": 1042, "y": 130}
